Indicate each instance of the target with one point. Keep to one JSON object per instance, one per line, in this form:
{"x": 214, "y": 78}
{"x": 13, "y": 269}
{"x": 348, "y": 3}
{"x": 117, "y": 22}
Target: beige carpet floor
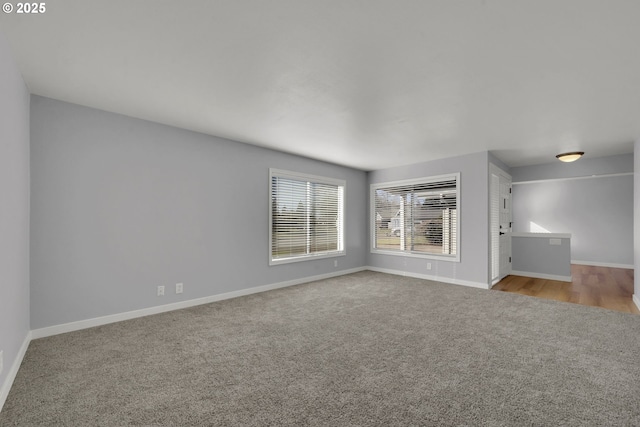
{"x": 364, "y": 349}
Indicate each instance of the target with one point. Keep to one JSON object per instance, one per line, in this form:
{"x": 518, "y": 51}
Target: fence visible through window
{"x": 307, "y": 216}
{"x": 417, "y": 216}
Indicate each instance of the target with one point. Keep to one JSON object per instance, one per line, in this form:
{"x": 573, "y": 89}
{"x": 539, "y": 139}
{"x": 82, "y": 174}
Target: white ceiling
{"x": 364, "y": 83}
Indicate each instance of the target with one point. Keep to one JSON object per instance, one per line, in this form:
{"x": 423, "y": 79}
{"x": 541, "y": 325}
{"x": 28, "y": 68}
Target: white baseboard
{"x": 13, "y": 371}
{"x": 119, "y": 317}
{"x": 602, "y": 264}
{"x": 430, "y": 277}
{"x": 104, "y": 320}
{"x": 541, "y": 276}
{"x": 636, "y": 300}
{"x": 496, "y": 281}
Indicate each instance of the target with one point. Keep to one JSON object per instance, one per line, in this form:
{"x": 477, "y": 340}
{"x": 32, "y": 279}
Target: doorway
{"x": 500, "y": 220}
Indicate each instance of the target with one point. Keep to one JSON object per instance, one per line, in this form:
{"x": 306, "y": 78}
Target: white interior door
{"x": 504, "y": 232}
{"x": 500, "y": 226}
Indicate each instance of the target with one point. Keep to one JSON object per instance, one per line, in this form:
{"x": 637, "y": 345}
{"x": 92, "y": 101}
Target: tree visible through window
{"x": 417, "y": 216}
{"x": 307, "y": 216}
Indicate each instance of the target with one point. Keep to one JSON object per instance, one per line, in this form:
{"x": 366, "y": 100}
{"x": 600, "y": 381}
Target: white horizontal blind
{"x": 417, "y": 216}
{"x": 306, "y": 216}
{"x": 495, "y": 226}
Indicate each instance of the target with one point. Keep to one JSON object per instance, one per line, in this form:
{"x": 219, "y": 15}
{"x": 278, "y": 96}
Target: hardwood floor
{"x": 605, "y": 287}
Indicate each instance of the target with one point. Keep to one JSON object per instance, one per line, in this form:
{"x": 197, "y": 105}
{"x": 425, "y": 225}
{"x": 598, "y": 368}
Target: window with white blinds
{"x": 306, "y": 217}
{"x": 418, "y": 217}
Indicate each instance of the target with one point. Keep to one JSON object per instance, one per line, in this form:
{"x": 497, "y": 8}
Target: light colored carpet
{"x": 361, "y": 349}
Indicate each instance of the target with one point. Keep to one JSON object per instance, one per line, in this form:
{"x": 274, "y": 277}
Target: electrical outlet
{"x": 160, "y": 291}
{"x": 179, "y": 287}
{"x": 1, "y": 360}
{"x": 335, "y": 262}
{"x": 428, "y": 266}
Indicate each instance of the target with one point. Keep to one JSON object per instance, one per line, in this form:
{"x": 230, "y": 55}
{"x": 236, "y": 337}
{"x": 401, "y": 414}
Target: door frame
{"x": 494, "y": 224}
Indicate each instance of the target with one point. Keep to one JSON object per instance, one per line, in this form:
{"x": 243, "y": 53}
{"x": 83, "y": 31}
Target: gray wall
{"x": 14, "y": 209}
{"x": 536, "y": 255}
{"x": 122, "y": 205}
{"x": 474, "y": 217}
{"x": 597, "y": 211}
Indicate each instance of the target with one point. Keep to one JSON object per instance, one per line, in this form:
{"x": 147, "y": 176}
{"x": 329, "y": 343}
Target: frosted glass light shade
{"x": 570, "y": 157}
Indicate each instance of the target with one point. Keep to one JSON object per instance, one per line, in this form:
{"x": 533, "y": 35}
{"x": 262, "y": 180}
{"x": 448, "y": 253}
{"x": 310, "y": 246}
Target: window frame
{"x": 414, "y": 254}
{"x": 298, "y": 176}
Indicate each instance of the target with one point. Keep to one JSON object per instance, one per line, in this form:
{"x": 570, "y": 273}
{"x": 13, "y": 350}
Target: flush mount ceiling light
{"x": 570, "y": 157}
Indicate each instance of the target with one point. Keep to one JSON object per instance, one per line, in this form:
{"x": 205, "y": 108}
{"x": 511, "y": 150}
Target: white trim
{"x": 497, "y": 170}
{"x": 543, "y": 235}
{"x": 308, "y": 257}
{"x": 15, "y": 367}
{"x": 430, "y": 277}
{"x": 298, "y": 176}
{"x": 425, "y": 255}
{"x": 104, "y": 320}
{"x": 301, "y": 176}
{"x": 500, "y": 173}
{"x": 541, "y": 276}
{"x": 636, "y": 300}
{"x": 420, "y": 180}
{"x": 119, "y": 317}
{"x": 422, "y": 255}
{"x": 602, "y": 264}
{"x": 606, "y": 175}
{"x": 496, "y": 281}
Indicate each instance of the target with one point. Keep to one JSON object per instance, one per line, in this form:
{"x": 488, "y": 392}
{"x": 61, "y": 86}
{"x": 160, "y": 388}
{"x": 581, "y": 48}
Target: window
{"x": 306, "y": 217}
{"x": 417, "y": 217}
